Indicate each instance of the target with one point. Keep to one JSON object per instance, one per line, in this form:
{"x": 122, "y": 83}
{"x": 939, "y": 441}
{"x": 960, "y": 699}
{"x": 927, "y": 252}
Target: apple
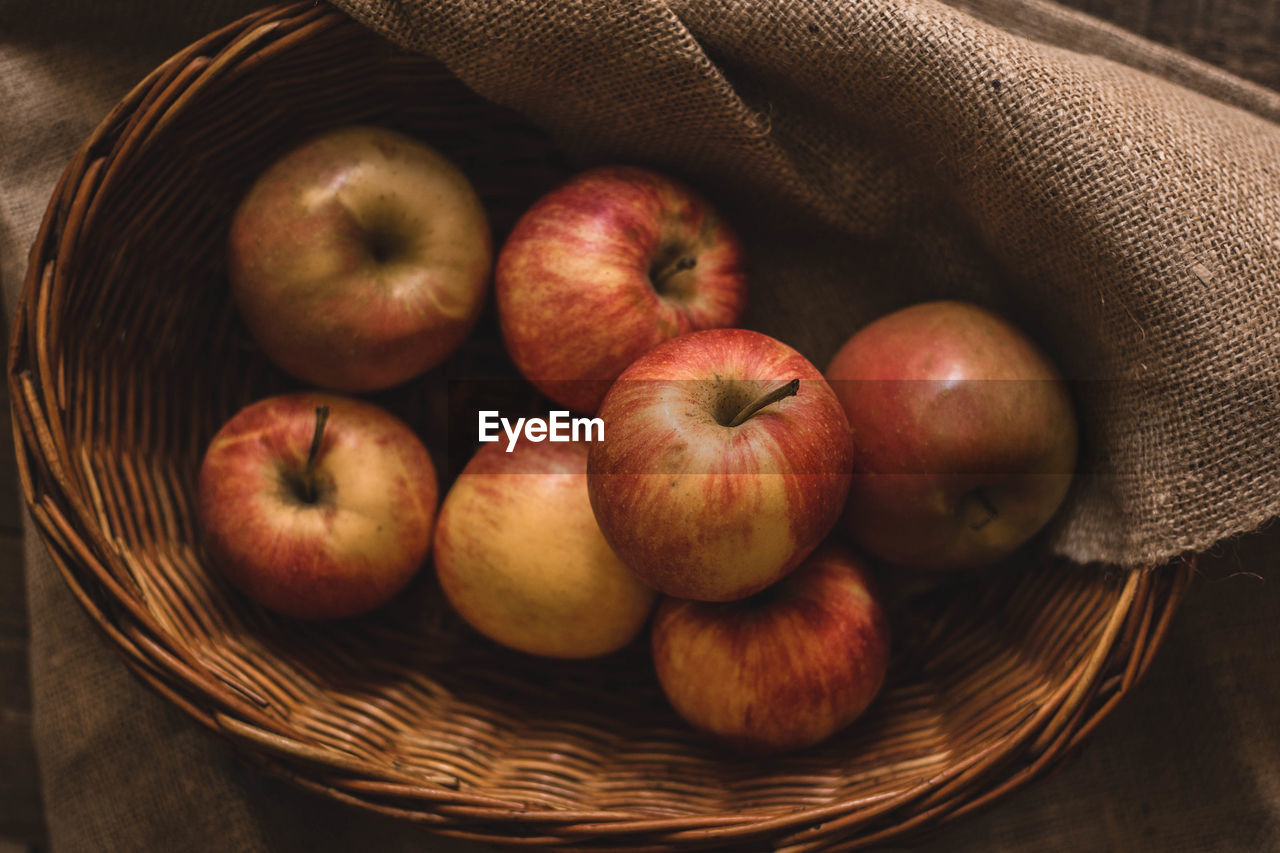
{"x": 520, "y": 557}
{"x": 725, "y": 460}
{"x": 316, "y": 506}
{"x": 964, "y": 432}
{"x": 359, "y": 259}
{"x": 604, "y": 268}
{"x": 783, "y": 669}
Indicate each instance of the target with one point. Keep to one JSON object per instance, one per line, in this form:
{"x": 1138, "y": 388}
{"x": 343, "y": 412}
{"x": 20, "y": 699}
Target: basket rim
{"x": 97, "y": 576}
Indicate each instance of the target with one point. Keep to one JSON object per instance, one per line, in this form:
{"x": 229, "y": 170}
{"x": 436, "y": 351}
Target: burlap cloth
{"x": 1119, "y": 198}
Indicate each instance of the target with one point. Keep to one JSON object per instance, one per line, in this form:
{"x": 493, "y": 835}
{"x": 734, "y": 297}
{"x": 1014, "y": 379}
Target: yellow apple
{"x": 520, "y": 557}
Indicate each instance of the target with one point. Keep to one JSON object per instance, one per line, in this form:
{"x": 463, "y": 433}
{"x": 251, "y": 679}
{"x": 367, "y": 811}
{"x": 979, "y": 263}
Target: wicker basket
{"x": 126, "y": 356}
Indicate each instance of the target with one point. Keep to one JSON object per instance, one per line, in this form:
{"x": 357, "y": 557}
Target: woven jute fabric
{"x": 1119, "y": 200}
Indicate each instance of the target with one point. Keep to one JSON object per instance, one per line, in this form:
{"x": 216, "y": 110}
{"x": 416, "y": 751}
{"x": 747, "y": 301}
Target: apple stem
{"x": 789, "y": 390}
{"x": 680, "y": 264}
{"x": 308, "y": 477}
{"x": 978, "y": 509}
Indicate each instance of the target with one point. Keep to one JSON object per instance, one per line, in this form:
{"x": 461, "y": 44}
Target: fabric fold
{"x": 1118, "y": 200}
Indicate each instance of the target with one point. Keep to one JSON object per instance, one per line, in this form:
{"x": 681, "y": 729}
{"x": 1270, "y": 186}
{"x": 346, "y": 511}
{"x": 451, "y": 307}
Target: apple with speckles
{"x": 964, "y": 431}
{"x": 317, "y": 506}
{"x": 725, "y": 460}
{"x": 604, "y": 268}
{"x": 360, "y": 259}
{"x": 783, "y": 669}
{"x": 520, "y": 557}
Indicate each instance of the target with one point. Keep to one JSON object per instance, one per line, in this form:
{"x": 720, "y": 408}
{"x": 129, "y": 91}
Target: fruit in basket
{"x": 783, "y": 669}
{"x": 725, "y": 460}
{"x": 317, "y": 506}
{"x": 359, "y": 259}
{"x": 964, "y": 433}
{"x": 520, "y": 557}
{"x": 604, "y": 268}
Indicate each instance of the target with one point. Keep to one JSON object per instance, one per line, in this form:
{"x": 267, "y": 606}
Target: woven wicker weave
{"x": 126, "y": 356}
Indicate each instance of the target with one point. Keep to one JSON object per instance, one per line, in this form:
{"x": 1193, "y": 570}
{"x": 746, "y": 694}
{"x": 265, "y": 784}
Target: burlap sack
{"x": 1119, "y": 200}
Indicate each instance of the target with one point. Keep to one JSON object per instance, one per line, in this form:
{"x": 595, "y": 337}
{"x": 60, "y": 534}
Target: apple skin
{"x": 350, "y": 550}
{"x": 521, "y": 559}
{"x": 964, "y": 431}
{"x": 360, "y": 259}
{"x": 781, "y": 670}
{"x": 712, "y": 512}
{"x": 589, "y": 279}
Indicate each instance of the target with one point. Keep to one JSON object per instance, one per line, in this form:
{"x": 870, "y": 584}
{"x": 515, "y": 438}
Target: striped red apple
{"x": 965, "y": 436}
{"x": 317, "y": 506}
{"x": 599, "y": 271}
{"x": 783, "y": 669}
{"x": 726, "y": 459}
{"x": 359, "y": 259}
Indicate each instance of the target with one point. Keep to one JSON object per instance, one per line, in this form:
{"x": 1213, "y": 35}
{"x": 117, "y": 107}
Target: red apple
{"x": 783, "y": 669}
{"x": 317, "y": 506}
{"x": 964, "y": 433}
{"x": 725, "y": 460}
{"x": 603, "y": 269}
{"x": 520, "y": 557}
{"x": 360, "y": 259}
